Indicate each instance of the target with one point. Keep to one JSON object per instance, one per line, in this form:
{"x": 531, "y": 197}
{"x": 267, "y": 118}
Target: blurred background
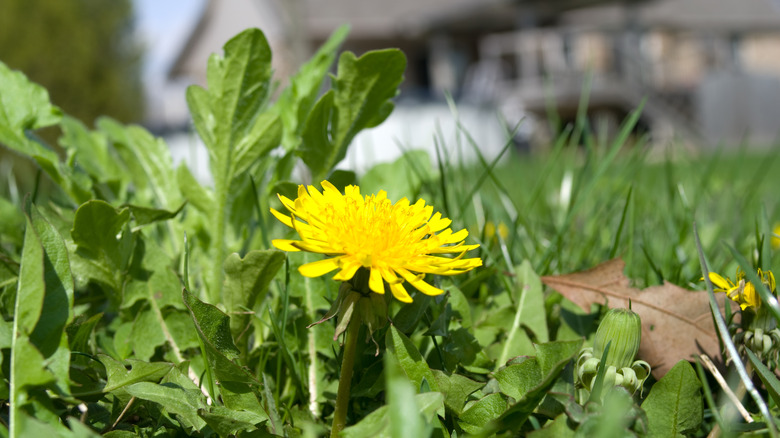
{"x": 708, "y": 69}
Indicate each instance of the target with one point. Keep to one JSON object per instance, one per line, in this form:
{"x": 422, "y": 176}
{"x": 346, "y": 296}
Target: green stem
{"x": 345, "y": 379}
{"x": 218, "y": 233}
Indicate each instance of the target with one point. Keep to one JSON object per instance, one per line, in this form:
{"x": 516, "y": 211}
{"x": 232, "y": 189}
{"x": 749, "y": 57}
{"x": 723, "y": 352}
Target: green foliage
{"x": 138, "y": 302}
{"x": 674, "y": 405}
{"x": 360, "y": 99}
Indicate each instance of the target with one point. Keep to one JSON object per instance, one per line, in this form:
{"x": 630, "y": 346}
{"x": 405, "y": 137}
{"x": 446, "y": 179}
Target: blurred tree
{"x": 82, "y": 51}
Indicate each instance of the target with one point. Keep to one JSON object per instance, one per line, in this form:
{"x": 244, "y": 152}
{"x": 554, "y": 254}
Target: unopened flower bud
{"x": 623, "y": 328}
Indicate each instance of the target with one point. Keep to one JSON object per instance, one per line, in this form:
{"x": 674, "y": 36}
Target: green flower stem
{"x": 345, "y": 379}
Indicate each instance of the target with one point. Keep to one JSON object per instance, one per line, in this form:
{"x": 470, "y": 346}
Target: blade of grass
{"x": 729, "y": 344}
{"x": 615, "y": 244}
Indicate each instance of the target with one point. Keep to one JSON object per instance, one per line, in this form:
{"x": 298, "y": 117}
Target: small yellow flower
{"x": 491, "y": 231}
{"x": 775, "y": 240}
{"x": 394, "y": 242}
{"x": 743, "y": 292}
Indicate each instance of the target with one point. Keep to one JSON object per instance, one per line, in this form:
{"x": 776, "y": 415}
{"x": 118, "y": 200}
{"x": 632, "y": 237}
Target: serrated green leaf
{"x": 174, "y": 399}
{"x": 410, "y": 359}
{"x": 145, "y": 215}
{"x": 140, "y": 150}
{"x": 227, "y": 422}
{"x": 193, "y": 192}
{"x": 25, "y": 107}
{"x": 551, "y": 357}
{"x": 359, "y": 99}
{"x": 229, "y": 118}
{"x": 674, "y": 405}
{"x": 118, "y": 376}
{"x": 90, "y": 151}
{"x": 213, "y": 328}
{"x": 296, "y": 101}
{"x": 483, "y": 411}
{"x": 147, "y": 333}
{"x": 247, "y": 279}
{"x": 265, "y": 134}
{"x": 95, "y": 228}
{"x": 517, "y": 380}
{"x": 456, "y": 389}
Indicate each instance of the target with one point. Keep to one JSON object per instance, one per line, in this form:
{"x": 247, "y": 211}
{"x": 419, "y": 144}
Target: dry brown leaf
{"x": 676, "y": 322}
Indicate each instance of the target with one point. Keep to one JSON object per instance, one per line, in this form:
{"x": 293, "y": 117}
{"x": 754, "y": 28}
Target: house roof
{"x": 725, "y": 16}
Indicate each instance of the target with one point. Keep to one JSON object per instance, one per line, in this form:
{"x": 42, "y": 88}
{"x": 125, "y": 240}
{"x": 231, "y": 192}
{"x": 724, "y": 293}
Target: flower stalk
{"x": 345, "y": 379}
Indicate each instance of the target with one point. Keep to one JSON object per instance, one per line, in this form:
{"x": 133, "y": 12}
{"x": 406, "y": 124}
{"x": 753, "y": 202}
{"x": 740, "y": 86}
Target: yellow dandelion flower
{"x": 394, "y": 242}
{"x": 743, "y": 292}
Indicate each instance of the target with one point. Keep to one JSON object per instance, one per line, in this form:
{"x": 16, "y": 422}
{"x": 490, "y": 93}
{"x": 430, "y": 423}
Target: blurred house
{"x": 708, "y": 69}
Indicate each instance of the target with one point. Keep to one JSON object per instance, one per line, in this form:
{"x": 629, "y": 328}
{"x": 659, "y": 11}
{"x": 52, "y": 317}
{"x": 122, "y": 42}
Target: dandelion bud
{"x": 623, "y": 328}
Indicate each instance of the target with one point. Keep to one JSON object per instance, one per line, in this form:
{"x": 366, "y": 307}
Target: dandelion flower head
{"x": 394, "y": 242}
{"x": 743, "y": 291}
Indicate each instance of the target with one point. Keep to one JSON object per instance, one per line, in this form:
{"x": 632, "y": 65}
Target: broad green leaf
{"x": 228, "y": 117}
{"x": 245, "y": 280}
{"x": 184, "y": 403}
{"x": 530, "y": 313}
{"x": 456, "y": 389}
{"x": 146, "y": 215}
{"x": 227, "y": 422}
{"x": 141, "y": 150}
{"x": 242, "y": 397}
{"x": 118, "y": 376}
{"x": 551, "y": 357}
{"x": 359, "y": 99}
{"x": 193, "y": 192}
{"x": 25, "y": 107}
{"x": 147, "y": 333}
{"x": 460, "y": 305}
{"x": 483, "y": 411}
{"x": 410, "y": 359}
{"x": 213, "y": 328}
{"x": 518, "y": 379}
{"x": 44, "y": 300}
{"x": 296, "y": 101}
{"x": 90, "y": 151}
{"x": 674, "y": 405}
{"x": 377, "y": 423}
{"x": 400, "y": 179}
{"x": 95, "y": 228}
{"x": 151, "y": 277}
{"x": 266, "y": 134}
